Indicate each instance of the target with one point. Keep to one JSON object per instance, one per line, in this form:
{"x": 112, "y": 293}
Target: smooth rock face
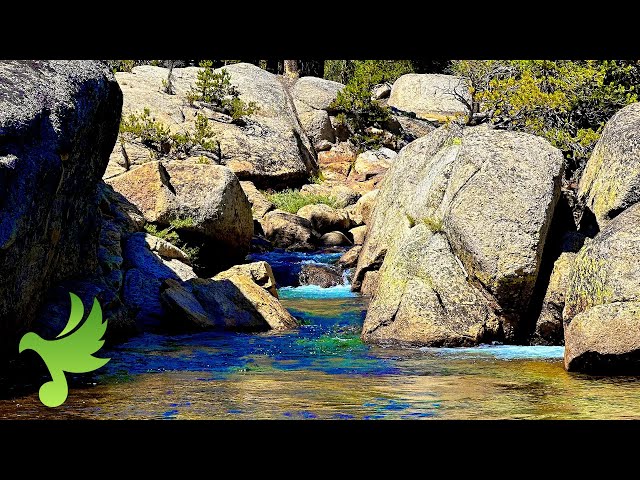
{"x": 374, "y": 162}
{"x": 58, "y": 124}
{"x": 611, "y": 179}
{"x": 337, "y": 161}
{"x": 210, "y": 195}
{"x": 350, "y": 257}
{"x": 602, "y": 305}
{"x": 358, "y": 234}
{"x": 324, "y": 218}
{"x": 241, "y": 298}
{"x": 492, "y": 193}
{"x": 271, "y": 150}
{"x": 549, "y": 328}
{"x": 318, "y": 127}
{"x": 312, "y": 93}
{"x": 238, "y": 303}
{"x": 260, "y": 205}
{"x": 423, "y": 297}
{"x": 364, "y": 206}
{"x": 260, "y": 272}
{"x": 335, "y": 239}
{"x": 183, "y": 307}
{"x": 289, "y": 231}
{"x": 370, "y": 283}
{"x": 322, "y": 275}
{"x": 429, "y": 96}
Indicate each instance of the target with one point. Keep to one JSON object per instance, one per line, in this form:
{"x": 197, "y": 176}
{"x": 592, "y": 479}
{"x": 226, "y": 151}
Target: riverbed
{"x": 323, "y": 371}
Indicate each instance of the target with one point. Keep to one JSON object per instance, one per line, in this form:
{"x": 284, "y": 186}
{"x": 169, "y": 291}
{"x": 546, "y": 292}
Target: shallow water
{"x": 323, "y": 370}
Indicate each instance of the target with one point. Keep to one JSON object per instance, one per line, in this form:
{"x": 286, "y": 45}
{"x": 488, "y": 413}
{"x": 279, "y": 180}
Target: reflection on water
{"x": 324, "y": 371}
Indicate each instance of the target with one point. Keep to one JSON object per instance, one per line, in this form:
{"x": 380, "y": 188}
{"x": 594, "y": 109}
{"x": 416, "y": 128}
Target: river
{"x": 323, "y": 370}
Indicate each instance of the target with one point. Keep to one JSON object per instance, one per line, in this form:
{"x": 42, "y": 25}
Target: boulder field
{"x": 456, "y": 233}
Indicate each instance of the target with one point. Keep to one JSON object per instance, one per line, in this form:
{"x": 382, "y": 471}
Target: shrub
{"x": 215, "y": 88}
{"x": 121, "y": 65}
{"x": 566, "y": 102}
{"x": 293, "y": 200}
{"x": 173, "y": 235}
{"x": 356, "y": 108}
{"x": 150, "y": 132}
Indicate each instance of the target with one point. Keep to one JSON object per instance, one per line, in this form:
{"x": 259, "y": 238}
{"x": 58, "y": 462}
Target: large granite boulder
{"x": 313, "y": 93}
{"x": 424, "y": 298}
{"x": 242, "y": 298}
{"x": 208, "y": 197}
{"x": 611, "y": 179}
{"x": 289, "y": 231}
{"x": 271, "y": 149}
{"x": 430, "y": 96}
{"x": 492, "y": 193}
{"x": 58, "y": 124}
{"x": 324, "y": 218}
{"x": 602, "y": 304}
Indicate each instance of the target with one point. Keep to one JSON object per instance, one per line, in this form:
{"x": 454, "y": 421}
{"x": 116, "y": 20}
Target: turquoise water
{"x": 323, "y": 370}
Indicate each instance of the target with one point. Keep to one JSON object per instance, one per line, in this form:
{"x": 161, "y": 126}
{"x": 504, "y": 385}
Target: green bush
{"x": 150, "y": 132}
{"x": 566, "y": 102}
{"x": 379, "y": 71}
{"x": 293, "y": 200}
{"x": 216, "y": 88}
{"x": 121, "y": 65}
{"x": 156, "y": 135}
{"x": 356, "y": 108}
{"x": 173, "y": 235}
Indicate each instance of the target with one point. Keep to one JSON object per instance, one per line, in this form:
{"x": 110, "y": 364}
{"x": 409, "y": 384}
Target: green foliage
{"x": 173, "y": 235}
{"x": 357, "y": 110}
{"x": 202, "y": 160}
{"x": 121, "y": 65}
{"x": 293, "y": 200}
{"x": 158, "y": 136}
{"x": 238, "y": 109}
{"x": 147, "y": 129}
{"x": 216, "y": 88}
{"x": 379, "y": 71}
{"x": 411, "y": 219}
{"x": 212, "y": 87}
{"x": 566, "y": 102}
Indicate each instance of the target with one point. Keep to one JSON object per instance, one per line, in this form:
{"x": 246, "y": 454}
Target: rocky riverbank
{"x": 461, "y": 235}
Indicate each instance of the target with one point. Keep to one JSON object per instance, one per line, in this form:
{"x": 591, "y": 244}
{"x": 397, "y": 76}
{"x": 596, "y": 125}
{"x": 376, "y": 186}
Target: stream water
{"x": 323, "y": 370}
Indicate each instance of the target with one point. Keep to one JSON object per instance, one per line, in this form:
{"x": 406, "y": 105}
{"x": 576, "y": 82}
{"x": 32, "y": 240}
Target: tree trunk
{"x": 291, "y": 69}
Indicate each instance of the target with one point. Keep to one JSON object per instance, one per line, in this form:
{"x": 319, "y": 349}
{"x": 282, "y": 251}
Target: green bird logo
{"x": 71, "y": 351}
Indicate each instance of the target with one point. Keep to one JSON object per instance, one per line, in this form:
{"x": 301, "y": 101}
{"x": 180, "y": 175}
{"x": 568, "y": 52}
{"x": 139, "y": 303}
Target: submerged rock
{"x": 322, "y": 275}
